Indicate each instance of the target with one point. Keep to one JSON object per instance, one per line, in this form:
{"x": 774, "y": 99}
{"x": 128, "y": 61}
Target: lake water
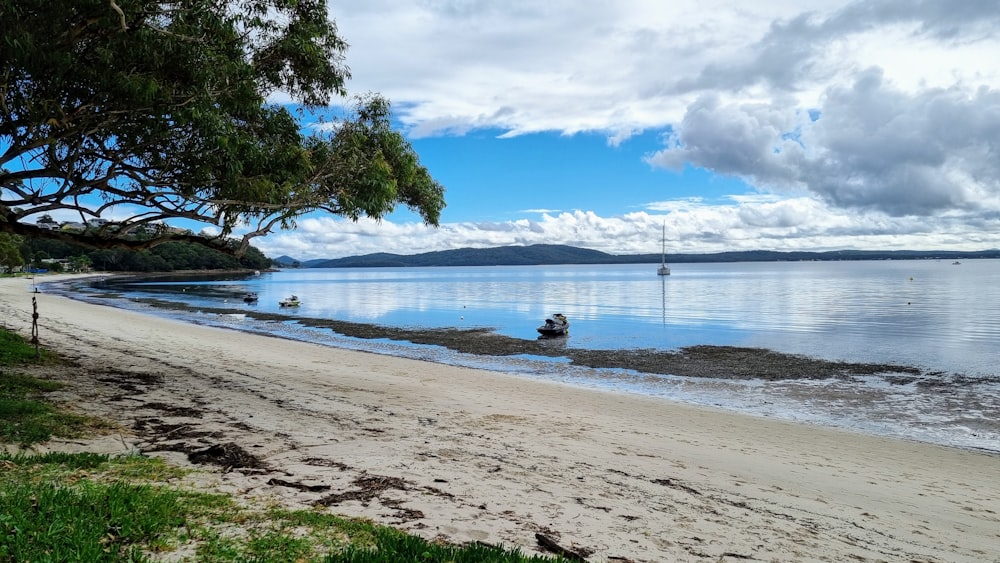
{"x": 935, "y": 315}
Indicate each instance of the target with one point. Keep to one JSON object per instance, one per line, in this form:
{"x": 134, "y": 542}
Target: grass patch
{"x": 26, "y": 418}
{"x": 393, "y": 545}
{"x": 65, "y": 467}
{"x": 76, "y": 507}
{"x": 73, "y": 507}
{"x": 86, "y": 522}
{"x": 14, "y": 349}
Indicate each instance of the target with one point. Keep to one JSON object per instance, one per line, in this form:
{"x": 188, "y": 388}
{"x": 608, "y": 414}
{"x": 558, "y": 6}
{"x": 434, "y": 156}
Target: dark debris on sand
{"x": 230, "y": 455}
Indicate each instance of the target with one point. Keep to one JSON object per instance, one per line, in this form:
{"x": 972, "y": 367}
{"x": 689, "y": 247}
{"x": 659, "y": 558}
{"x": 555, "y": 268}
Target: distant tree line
{"x": 540, "y": 254}
{"x": 22, "y": 252}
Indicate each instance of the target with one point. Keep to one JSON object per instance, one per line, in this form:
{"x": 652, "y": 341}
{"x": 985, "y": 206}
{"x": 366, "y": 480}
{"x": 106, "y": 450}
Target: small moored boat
{"x": 292, "y": 301}
{"x": 556, "y": 325}
{"x": 250, "y": 298}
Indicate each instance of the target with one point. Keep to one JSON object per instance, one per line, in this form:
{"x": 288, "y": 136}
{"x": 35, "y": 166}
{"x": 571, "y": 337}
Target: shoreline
{"x": 469, "y": 455}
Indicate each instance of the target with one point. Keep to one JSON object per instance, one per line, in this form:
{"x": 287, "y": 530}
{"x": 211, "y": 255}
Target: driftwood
{"x": 551, "y": 545}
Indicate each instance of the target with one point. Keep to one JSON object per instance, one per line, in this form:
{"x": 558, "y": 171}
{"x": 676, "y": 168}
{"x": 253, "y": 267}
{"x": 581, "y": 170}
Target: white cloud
{"x": 530, "y": 66}
{"x": 692, "y": 226}
{"x": 874, "y": 146}
{"x": 628, "y": 65}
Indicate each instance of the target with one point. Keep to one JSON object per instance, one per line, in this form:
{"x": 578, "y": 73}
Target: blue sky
{"x": 777, "y": 125}
{"x": 536, "y": 173}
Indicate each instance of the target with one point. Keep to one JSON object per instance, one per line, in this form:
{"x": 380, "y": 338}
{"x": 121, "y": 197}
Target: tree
{"x": 79, "y": 263}
{"x": 159, "y": 110}
{"x": 10, "y": 252}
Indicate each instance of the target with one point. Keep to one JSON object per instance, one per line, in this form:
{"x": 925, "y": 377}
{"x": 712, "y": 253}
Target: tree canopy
{"x": 159, "y": 110}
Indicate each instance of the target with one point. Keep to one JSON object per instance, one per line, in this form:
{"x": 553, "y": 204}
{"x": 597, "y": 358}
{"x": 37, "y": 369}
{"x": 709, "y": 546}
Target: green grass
{"x": 87, "y": 522}
{"x": 393, "y": 545}
{"x": 26, "y": 418}
{"x": 16, "y": 350}
{"x": 72, "y": 507}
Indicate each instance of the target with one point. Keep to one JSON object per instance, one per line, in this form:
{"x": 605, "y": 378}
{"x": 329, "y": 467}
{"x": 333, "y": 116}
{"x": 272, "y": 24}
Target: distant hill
{"x": 289, "y": 262}
{"x": 553, "y": 254}
{"x": 499, "y": 256}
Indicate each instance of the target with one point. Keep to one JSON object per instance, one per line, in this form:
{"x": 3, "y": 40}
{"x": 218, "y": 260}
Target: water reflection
{"x": 924, "y": 312}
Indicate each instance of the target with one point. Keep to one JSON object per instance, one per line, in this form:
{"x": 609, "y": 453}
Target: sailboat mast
{"x": 663, "y": 247}
{"x": 663, "y": 270}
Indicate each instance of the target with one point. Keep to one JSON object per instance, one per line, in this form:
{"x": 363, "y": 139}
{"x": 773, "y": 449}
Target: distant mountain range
{"x": 553, "y": 254}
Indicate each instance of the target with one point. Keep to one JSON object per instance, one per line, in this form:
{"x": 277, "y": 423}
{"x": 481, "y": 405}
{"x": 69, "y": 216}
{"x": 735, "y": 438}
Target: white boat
{"x": 292, "y": 301}
{"x": 556, "y": 325}
{"x": 663, "y": 270}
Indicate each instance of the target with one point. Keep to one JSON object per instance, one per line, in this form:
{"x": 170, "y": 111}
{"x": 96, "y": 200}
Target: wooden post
{"x": 34, "y": 325}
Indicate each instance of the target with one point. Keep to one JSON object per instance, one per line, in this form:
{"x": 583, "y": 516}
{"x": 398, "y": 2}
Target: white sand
{"x": 473, "y": 455}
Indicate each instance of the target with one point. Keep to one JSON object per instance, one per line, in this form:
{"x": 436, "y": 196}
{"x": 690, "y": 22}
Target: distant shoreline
{"x": 554, "y": 255}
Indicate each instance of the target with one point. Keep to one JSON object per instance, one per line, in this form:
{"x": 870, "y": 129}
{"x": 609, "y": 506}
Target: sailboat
{"x": 663, "y": 270}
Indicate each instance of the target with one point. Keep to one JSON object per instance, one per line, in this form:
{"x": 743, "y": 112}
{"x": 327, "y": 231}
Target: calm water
{"x": 941, "y": 317}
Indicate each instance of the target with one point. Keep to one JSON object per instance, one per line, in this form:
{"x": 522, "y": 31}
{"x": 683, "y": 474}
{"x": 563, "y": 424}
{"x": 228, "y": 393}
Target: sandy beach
{"x": 469, "y": 455}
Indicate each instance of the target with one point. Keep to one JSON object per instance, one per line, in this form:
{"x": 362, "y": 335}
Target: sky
{"x": 774, "y": 125}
